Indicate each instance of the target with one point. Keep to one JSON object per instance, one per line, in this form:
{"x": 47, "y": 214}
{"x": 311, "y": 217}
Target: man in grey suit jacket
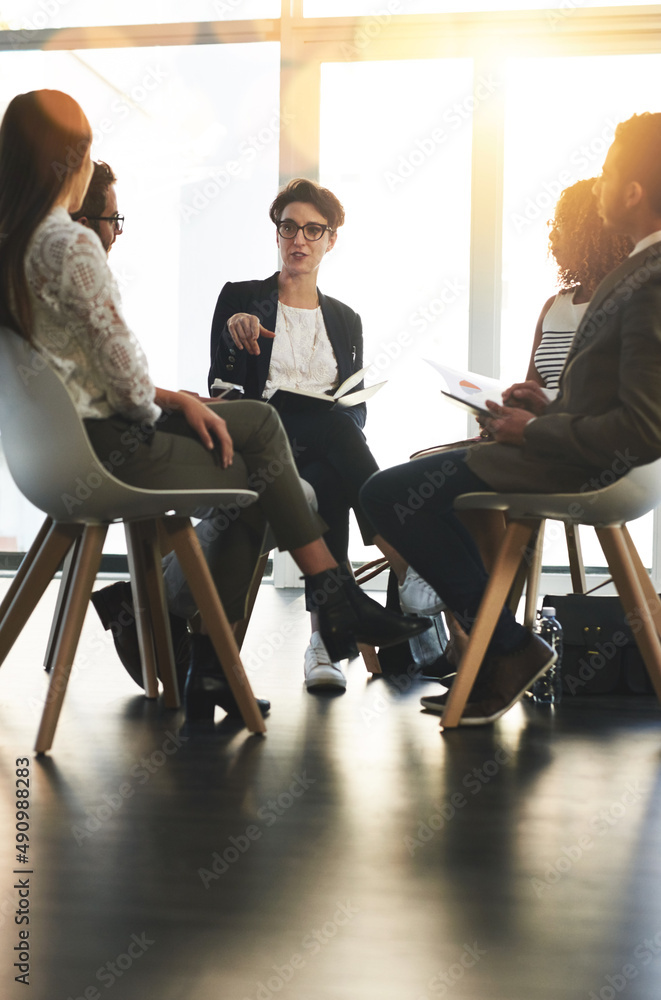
{"x": 605, "y": 420}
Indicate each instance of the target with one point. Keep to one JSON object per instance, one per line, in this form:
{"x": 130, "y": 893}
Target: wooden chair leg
{"x": 205, "y": 595}
{"x": 38, "y": 575}
{"x": 634, "y": 600}
{"x": 87, "y": 566}
{"x": 137, "y": 570}
{"x": 653, "y": 603}
{"x": 154, "y": 618}
{"x": 522, "y": 578}
{"x": 509, "y": 558}
{"x": 368, "y": 653}
{"x": 533, "y": 578}
{"x": 370, "y": 658}
{"x": 68, "y": 567}
{"x": 23, "y": 569}
{"x": 576, "y": 567}
{"x": 240, "y": 628}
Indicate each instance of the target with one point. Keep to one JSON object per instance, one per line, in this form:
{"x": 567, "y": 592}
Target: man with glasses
{"x": 99, "y": 210}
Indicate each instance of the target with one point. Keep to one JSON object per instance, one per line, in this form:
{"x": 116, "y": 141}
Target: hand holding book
{"x": 289, "y": 397}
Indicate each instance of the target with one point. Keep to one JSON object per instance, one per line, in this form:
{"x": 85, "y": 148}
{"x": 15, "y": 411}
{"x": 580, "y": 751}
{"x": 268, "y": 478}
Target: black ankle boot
{"x": 347, "y": 616}
{"x": 207, "y": 687}
{"x": 114, "y": 606}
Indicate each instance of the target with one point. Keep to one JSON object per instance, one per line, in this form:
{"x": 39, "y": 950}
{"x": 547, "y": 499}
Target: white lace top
{"x": 302, "y": 355}
{"x": 78, "y": 323}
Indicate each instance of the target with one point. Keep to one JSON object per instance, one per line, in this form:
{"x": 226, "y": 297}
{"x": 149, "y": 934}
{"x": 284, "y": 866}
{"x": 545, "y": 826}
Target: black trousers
{"x": 411, "y": 505}
{"x": 332, "y": 454}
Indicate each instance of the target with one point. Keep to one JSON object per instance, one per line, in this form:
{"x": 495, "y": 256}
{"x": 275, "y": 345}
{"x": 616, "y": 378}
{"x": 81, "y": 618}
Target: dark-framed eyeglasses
{"x": 117, "y": 221}
{"x": 312, "y": 231}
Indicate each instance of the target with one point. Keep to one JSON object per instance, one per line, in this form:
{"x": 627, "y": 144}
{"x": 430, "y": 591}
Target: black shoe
{"x": 439, "y": 670}
{"x": 502, "y": 680}
{"x": 114, "y": 606}
{"x": 207, "y": 687}
{"x": 347, "y": 616}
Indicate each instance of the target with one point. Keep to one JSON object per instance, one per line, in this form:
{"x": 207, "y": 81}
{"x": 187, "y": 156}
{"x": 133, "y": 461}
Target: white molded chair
{"x": 607, "y": 510}
{"x": 55, "y": 467}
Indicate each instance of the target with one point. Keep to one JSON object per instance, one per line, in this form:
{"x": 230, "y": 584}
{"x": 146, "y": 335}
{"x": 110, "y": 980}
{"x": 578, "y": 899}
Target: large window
{"x": 192, "y": 134}
{"x": 401, "y": 167}
{"x": 560, "y": 118}
{"x": 447, "y": 185}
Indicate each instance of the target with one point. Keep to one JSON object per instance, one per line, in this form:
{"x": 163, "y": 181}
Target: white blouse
{"x": 77, "y": 322}
{"x": 302, "y": 356}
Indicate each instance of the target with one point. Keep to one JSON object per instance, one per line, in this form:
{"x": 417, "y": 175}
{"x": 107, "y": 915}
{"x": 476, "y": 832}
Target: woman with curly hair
{"x": 585, "y": 253}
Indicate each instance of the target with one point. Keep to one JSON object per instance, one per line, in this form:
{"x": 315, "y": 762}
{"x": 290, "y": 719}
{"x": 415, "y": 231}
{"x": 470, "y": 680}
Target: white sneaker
{"x": 320, "y": 671}
{"x": 417, "y": 597}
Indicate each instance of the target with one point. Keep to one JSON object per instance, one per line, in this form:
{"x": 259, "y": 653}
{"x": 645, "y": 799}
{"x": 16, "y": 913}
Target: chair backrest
{"x": 50, "y": 456}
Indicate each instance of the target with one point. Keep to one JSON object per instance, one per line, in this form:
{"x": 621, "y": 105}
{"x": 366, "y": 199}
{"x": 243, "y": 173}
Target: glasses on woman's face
{"x": 312, "y": 231}
{"x": 117, "y": 221}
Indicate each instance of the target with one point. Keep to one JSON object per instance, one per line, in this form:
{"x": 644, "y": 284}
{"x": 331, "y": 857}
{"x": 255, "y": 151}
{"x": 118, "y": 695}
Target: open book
{"x": 292, "y": 398}
{"x": 468, "y": 389}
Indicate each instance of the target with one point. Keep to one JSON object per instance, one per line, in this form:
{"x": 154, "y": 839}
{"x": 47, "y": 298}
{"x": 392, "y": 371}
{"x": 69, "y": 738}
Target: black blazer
{"x": 606, "y": 417}
{"x": 260, "y": 298}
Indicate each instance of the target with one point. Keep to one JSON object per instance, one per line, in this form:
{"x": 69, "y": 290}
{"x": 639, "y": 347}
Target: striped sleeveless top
{"x": 558, "y": 329}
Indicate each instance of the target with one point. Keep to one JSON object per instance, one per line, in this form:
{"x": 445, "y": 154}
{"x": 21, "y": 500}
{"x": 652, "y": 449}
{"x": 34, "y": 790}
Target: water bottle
{"x": 547, "y": 690}
{"x": 428, "y": 646}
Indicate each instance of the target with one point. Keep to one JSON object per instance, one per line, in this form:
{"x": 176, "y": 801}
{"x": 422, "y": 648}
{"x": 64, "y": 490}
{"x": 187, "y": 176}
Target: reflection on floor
{"x": 355, "y": 853}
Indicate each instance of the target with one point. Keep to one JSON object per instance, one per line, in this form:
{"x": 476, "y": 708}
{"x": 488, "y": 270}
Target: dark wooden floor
{"x": 355, "y": 852}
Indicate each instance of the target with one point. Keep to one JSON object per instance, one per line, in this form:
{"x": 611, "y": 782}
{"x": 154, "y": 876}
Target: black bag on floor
{"x": 599, "y": 655}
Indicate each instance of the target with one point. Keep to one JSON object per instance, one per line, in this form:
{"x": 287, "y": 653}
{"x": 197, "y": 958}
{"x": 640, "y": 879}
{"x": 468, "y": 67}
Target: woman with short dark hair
{"x": 283, "y": 332}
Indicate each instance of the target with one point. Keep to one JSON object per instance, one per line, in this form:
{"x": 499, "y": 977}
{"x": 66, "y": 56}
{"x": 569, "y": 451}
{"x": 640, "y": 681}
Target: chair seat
{"x": 624, "y": 500}
{"x": 54, "y": 465}
{"x": 607, "y": 510}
